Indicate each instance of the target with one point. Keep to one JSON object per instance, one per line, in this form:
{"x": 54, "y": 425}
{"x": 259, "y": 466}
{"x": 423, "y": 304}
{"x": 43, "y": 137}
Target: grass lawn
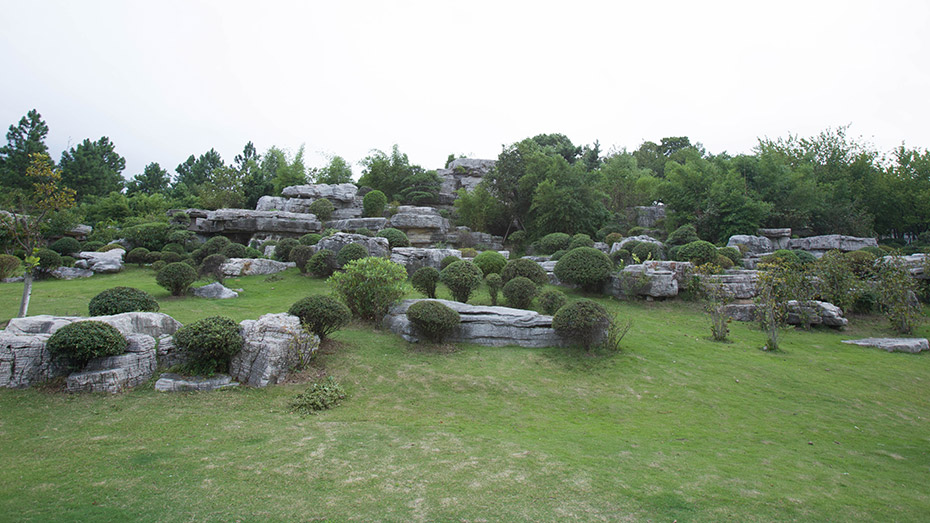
{"x": 676, "y": 427}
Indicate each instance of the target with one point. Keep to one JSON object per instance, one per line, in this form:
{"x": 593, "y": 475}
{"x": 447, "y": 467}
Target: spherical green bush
{"x": 168, "y": 257}
{"x": 9, "y": 265}
{"x": 447, "y": 261}
{"x": 580, "y": 240}
{"x": 433, "y": 320}
{"x": 584, "y": 266}
{"x": 282, "y": 250}
{"x": 118, "y": 300}
{"x": 520, "y": 292}
{"x": 373, "y": 203}
{"x": 621, "y": 256}
{"x": 731, "y": 252}
{"x": 395, "y": 237}
{"x": 647, "y": 251}
{"x": 176, "y": 248}
{"x": 781, "y": 257}
{"x": 91, "y": 246}
{"x": 364, "y": 231}
{"x": 582, "y": 321}
{"x": 152, "y": 257}
{"x": 139, "y": 255}
{"x": 424, "y": 280}
{"x": 66, "y": 246}
{"x": 612, "y": 238}
{"x": 683, "y": 235}
{"x": 322, "y": 314}
{"x": 235, "y": 250}
{"x": 49, "y": 260}
{"x": 159, "y": 265}
{"x": 468, "y": 252}
{"x": 516, "y": 239}
{"x": 805, "y": 257}
{"x": 322, "y": 208}
{"x": 322, "y": 264}
{"x": 462, "y": 278}
{"x": 490, "y": 262}
{"x": 209, "y": 344}
{"x": 494, "y": 283}
{"x": 550, "y": 243}
{"x": 82, "y": 341}
{"x": 557, "y": 255}
{"x": 526, "y": 268}
{"x": 212, "y": 266}
{"x": 369, "y": 286}
{"x": 698, "y": 252}
{"x": 301, "y": 255}
{"x": 252, "y": 252}
{"x": 176, "y": 278}
{"x": 215, "y": 245}
{"x": 67, "y": 261}
{"x": 310, "y": 239}
{"x": 352, "y": 251}
{"x": 551, "y": 301}
{"x": 723, "y": 262}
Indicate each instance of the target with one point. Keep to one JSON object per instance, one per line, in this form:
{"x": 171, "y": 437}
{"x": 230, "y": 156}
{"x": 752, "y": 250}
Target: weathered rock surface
{"x": 71, "y": 273}
{"x": 462, "y": 173}
{"x": 346, "y": 200}
{"x": 253, "y": 266}
{"x": 422, "y": 225}
{"x": 682, "y": 271}
{"x": 464, "y": 237}
{"x": 812, "y": 313}
{"x": 278, "y": 203}
{"x": 153, "y": 324}
{"x": 170, "y": 382}
{"x": 910, "y": 345}
{"x": 648, "y": 216}
{"x": 489, "y": 326}
{"x": 244, "y": 221}
{"x": 755, "y": 245}
{"x": 274, "y": 344}
{"x": 915, "y": 263}
{"x": 168, "y": 353}
{"x": 118, "y": 373}
{"x": 24, "y": 360}
{"x": 104, "y": 262}
{"x": 640, "y": 280}
{"x": 215, "y": 291}
{"x": 780, "y": 238}
{"x": 376, "y": 245}
{"x": 342, "y": 192}
{"x": 642, "y": 239}
{"x": 414, "y": 257}
{"x": 372, "y": 224}
{"x": 741, "y": 284}
{"x": 829, "y": 242}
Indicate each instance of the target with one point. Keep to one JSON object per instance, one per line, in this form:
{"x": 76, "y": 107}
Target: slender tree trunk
{"x": 27, "y": 293}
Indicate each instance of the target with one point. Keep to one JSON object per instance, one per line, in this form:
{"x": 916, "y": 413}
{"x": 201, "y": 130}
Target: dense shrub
{"x": 373, "y": 203}
{"x": 526, "y": 268}
{"x": 322, "y": 264}
{"x": 352, "y": 251}
{"x": 118, "y": 300}
{"x": 215, "y": 245}
{"x": 613, "y": 238}
{"x": 395, "y": 237}
{"x": 49, "y": 260}
{"x": 494, "y": 284}
{"x": 364, "y": 231}
{"x": 212, "y": 266}
{"x": 181, "y": 218}
{"x": 176, "y": 248}
{"x": 604, "y": 232}
{"x": 462, "y": 278}
{"x": 139, "y": 255}
{"x": 469, "y": 252}
{"x": 732, "y": 253}
{"x": 683, "y": 235}
{"x": 91, "y": 246}
{"x": 582, "y": 321}
{"x": 9, "y": 265}
{"x": 551, "y": 301}
{"x": 176, "y": 278}
{"x": 723, "y": 262}
{"x": 698, "y": 252}
{"x": 301, "y": 255}
{"x": 282, "y": 250}
{"x": 185, "y": 238}
{"x": 804, "y": 257}
{"x": 647, "y": 251}
{"x": 159, "y": 265}
{"x": 621, "y": 256}
{"x": 580, "y": 240}
{"x": 66, "y": 246}
{"x": 152, "y": 236}
{"x": 310, "y": 239}
{"x": 447, "y": 261}
{"x": 861, "y": 263}
{"x": 369, "y": 286}
{"x": 110, "y": 247}
{"x": 636, "y": 231}
{"x": 781, "y": 257}
{"x": 168, "y": 257}
{"x": 322, "y": 208}
{"x": 584, "y": 266}
{"x": 235, "y": 250}
{"x": 322, "y": 314}
{"x": 252, "y": 252}
{"x": 490, "y": 262}
{"x": 209, "y": 344}
{"x": 152, "y": 257}
{"x": 557, "y": 255}
{"x": 550, "y": 243}
{"x": 82, "y": 341}
{"x": 520, "y": 292}
{"x": 433, "y": 320}
{"x": 516, "y": 239}
{"x": 424, "y": 280}
{"x": 67, "y": 261}
{"x": 318, "y": 396}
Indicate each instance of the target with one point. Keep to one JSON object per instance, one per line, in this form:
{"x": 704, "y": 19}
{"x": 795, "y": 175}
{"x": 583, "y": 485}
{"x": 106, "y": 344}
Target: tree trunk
{"x": 27, "y": 293}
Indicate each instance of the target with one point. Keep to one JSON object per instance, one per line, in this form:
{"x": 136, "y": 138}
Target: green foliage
{"x": 698, "y": 252}
{"x": 92, "y": 168}
{"x": 139, "y": 255}
{"x": 520, "y": 292}
{"x": 369, "y": 286}
{"x": 683, "y": 235}
{"x": 622, "y": 257}
{"x": 557, "y": 255}
{"x": 168, "y": 257}
{"x": 396, "y": 178}
{"x": 494, "y": 284}
{"x": 647, "y": 251}
{"x": 395, "y": 237}
{"x": 479, "y": 210}
{"x": 516, "y": 239}
{"x": 424, "y": 280}
{"x": 373, "y": 204}
{"x": 462, "y": 278}
{"x": 804, "y": 257}
{"x": 584, "y": 266}
{"x": 781, "y": 257}
{"x": 580, "y": 240}
{"x": 159, "y": 265}
{"x": 897, "y": 295}
{"x": 338, "y": 171}
{"x": 110, "y": 247}
{"x": 490, "y": 262}
{"x": 433, "y": 320}
{"x": 212, "y": 266}
{"x": 365, "y": 231}
{"x": 209, "y": 344}
{"x": 176, "y": 278}
{"x": 582, "y": 321}
{"x": 282, "y": 250}
{"x": 49, "y": 260}
{"x": 66, "y": 246}
{"x": 526, "y": 268}
{"x": 551, "y": 300}
{"x": 352, "y": 251}
{"x": 310, "y": 239}
{"x": 322, "y": 264}
{"x": 300, "y": 255}
{"x": 215, "y": 245}
{"x": 723, "y": 262}
{"x": 612, "y": 238}
{"x": 322, "y": 314}
{"x": 9, "y": 265}
{"x": 557, "y": 241}
{"x": 23, "y": 140}
{"x": 322, "y": 208}
{"x": 468, "y": 252}
{"x": 447, "y": 261}
{"x": 604, "y": 232}
{"x": 318, "y": 396}
{"x": 176, "y": 248}
{"x": 81, "y": 341}
{"x": 117, "y": 300}
{"x": 235, "y": 250}
{"x": 91, "y": 246}
{"x": 732, "y": 253}
{"x": 861, "y": 263}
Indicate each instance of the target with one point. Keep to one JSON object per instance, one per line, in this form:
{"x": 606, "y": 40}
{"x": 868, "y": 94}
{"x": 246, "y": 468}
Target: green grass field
{"x": 676, "y": 427}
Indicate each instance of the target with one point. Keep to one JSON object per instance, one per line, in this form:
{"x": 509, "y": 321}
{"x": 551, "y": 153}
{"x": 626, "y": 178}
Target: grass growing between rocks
{"x": 675, "y": 427}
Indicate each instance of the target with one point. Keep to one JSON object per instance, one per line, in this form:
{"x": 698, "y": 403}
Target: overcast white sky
{"x": 166, "y": 79}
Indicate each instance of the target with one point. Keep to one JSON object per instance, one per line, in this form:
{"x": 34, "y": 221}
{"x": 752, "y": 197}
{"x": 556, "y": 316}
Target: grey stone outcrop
{"x": 351, "y": 224}
{"x": 681, "y": 270}
{"x": 253, "y": 266}
{"x": 117, "y": 373}
{"x": 741, "y": 284}
{"x": 273, "y": 345}
{"x": 915, "y": 263}
{"x": 245, "y": 221}
{"x": 24, "y": 360}
{"x": 482, "y": 325}
{"x": 153, "y": 324}
{"x": 278, "y": 203}
{"x": 463, "y": 237}
{"x": 414, "y": 257}
{"x": 170, "y": 382}
{"x": 423, "y": 225}
{"x": 909, "y": 345}
{"x": 341, "y": 192}
{"x": 103, "y": 262}
{"x": 71, "y": 273}
{"x": 780, "y": 238}
{"x": 376, "y": 245}
{"x": 648, "y": 216}
{"x": 215, "y": 291}
{"x": 462, "y": 173}
{"x": 640, "y": 280}
{"x": 755, "y": 245}
{"x": 810, "y": 313}
{"x": 641, "y": 238}
{"x": 817, "y": 245}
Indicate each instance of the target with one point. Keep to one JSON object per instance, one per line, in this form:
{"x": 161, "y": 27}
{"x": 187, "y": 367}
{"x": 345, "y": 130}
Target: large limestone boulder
{"x": 682, "y": 271}
{"x": 274, "y": 344}
{"x": 345, "y": 198}
{"x": 118, "y": 373}
{"x": 24, "y": 360}
{"x": 414, "y": 257}
{"x": 741, "y": 284}
{"x": 780, "y": 238}
{"x": 376, "y": 245}
{"x": 755, "y": 245}
{"x": 641, "y": 238}
{"x": 423, "y": 225}
{"x": 463, "y": 237}
{"x": 649, "y": 216}
{"x": 103, "y": 262}
{"x": 215, "y": 291}
{"x": 462, "y": 173}
{"x": 915, "y": 263}
{"x": 640, "y": 280}
{"x": 170, "y": 382}
{"x": 342, "y": 192}
{"x": 909, "y": 345}
{"x": 809, "y": 313}
{"x": 235, "y": 267}
{"x": 818, "y": 245}
{"x": 482, "y": 325}
{"x": 71, "y": 273}
{"x": 351, "y": 224}
{"x": 153, "y": 324}
{"x": 278, "y": 203}
{"x": 245, "y": 221}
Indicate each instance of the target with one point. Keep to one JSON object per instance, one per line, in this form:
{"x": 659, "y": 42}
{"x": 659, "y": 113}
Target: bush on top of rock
{"x": 118, "y": 300}
{"x": 81, "y": 341}
{"x": 433, "y": 320}
{"x": 322, "y": 208}
{"x": 584, "y": 266}
{"x": 395, "y": 237}
{"x": 209, "y": 344}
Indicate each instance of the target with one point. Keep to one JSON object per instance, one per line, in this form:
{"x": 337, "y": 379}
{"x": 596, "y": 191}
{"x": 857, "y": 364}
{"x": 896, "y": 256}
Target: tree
{"x": 195, "y": 172}
{"x": 338, "y": 171}
{"x": 25, "y": 227}
{"x": 23, "y": 140}
{"x": 256, "y": 182}
{"x": 397, "y": 179}
{"x": 152, "y": 180}
{"x": 223, "y": 189}
{"x": 566, "y": 200}
{"x": 287, "y": 173}
{"x": 92, "y": 168}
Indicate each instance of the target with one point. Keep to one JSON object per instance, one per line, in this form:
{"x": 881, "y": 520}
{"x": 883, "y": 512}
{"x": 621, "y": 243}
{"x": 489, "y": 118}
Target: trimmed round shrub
{"x": 176, "y": 248}
{"x": 322, "y": 314}
{"x": 139, "y": 255}
{"x": 731, "y": 252}
{"x": 805, "y": 257}
{"x": 557, "y": 255}
{"x": 447, "y": 261}
{"x": 252, "y": 252}
{"x": 235, "y": 250}
{"x": 322, "y": 208}
{"x": 723, "y": 262}
{"x": 282, "y": 250}
{"x": 191, "y": 261}
{"x": 310, "y": 239}
{"x": 369, "y": 286}
{"x": 526, "y": 268}
{"x": 698, "y": 252}
{"x": 781, "y": 257}
{"x": 580, "y": 240}
{"x": 322, "y": 264}
{"x": 494, "y": 283}
{"x": 9, "y": 265}
{"x": 612, "y": 238}
{"x": 584, "y": 266}
{"x": 490, "y": 262}
{"x": 152, "y": 257}
{"x": 49, "y": 260}
{"x": 647, "y": 251}
{"x": 604, "y": 232}
{"x": 118, "y": 300}
{"x": 301, "y": 255}
{"x": 516, "y": 239}
{"x": 67, "y": 261}
{"x": 551, "y": 301}
{"x": 520, "y": 292}
{"x": 433, "y": 320}
{"x": 373, "y": 204}
{"x": 621, "y": 256}
{"x": 462, "y": 278}
{"x": 65, "y": 246}
{"x": 209, "y": 344}
{"x": 211, "y": 266}
{"x": 683, "y": 235}
{"x": 176, "y": 278}
{"x": 352, "y": 251}
{"x": 168, "y": 257}
{"x": 91, "y": 246}
{"x": 82, "y": 341}
{"x": 395, "y": 237}
{"x": 469, "y": 252}
{"x": 215, "y": 245}
{"x": 424, "y": 280}
{"x": 582, "y": 321}
{"x": 550, "y": 243}
{"x": 861, "y": 263}
{"x": 153, "y": 236}
{"x": 159, "y": 265}
{"x": 185, "y": 238}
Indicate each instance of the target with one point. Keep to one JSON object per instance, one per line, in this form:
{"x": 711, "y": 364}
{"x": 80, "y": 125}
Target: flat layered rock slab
{"x": 909, "y": 345}
{"x": 170, "y": 382}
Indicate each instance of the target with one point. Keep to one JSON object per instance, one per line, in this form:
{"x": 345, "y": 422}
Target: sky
{"x": 167, "y": 79}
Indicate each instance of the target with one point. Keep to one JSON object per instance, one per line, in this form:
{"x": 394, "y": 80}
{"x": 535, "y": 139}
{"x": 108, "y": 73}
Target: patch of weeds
{"x": 318, "y": 396}
{"x": 271, "y": 278}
